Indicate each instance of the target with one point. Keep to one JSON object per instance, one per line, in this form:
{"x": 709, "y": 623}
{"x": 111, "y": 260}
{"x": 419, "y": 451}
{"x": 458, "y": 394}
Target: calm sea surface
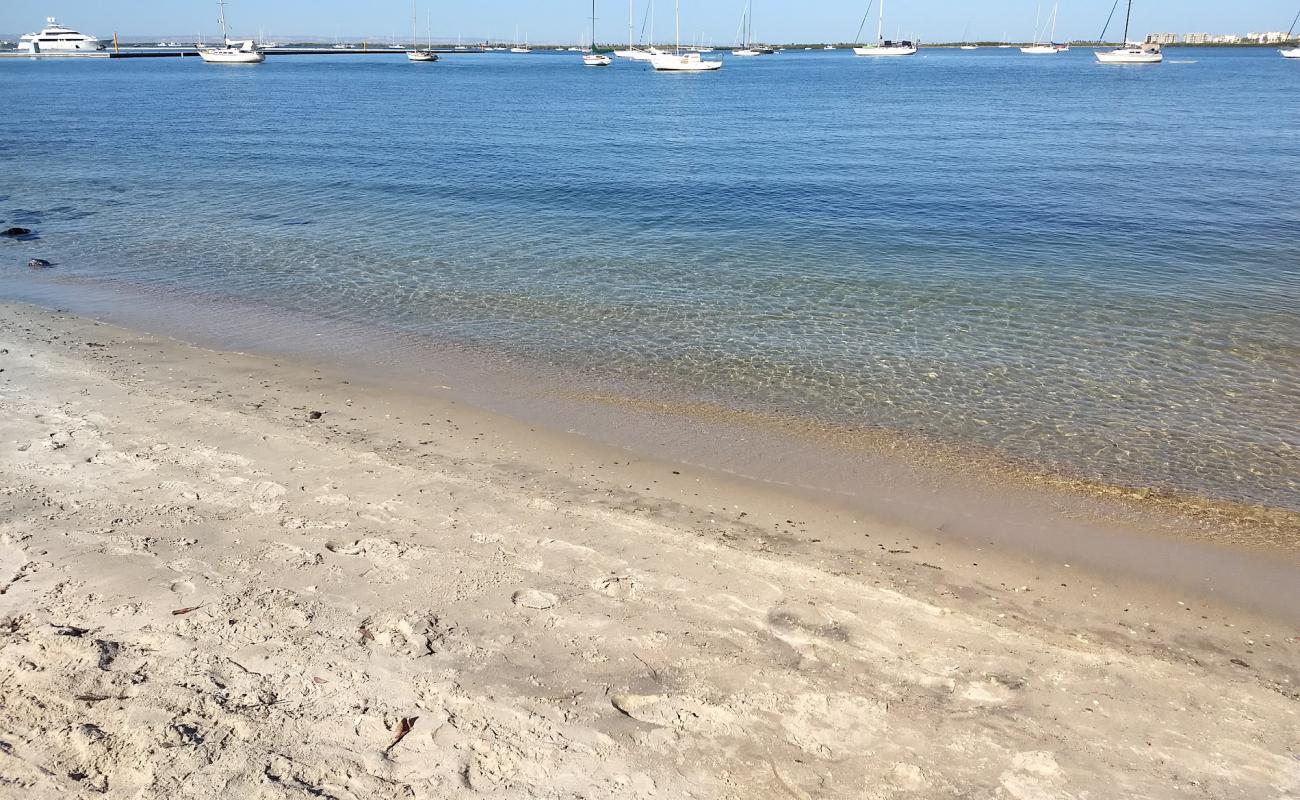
{"x": 1093, "y": 268}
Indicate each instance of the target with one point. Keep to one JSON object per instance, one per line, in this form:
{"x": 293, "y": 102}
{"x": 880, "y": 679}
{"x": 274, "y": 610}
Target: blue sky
{"x": 716, "y": 20}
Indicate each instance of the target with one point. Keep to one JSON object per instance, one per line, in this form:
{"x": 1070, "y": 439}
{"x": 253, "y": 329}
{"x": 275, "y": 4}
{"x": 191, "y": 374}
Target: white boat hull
{"x": 596, "y": 60}
{"x": 1292, "y": 53}
{"x": 884, "y": 51}
{"x": 56, "y": 38}
{"x": 1040, "y": 50}
{"x": 1129, "y": 55}
{"x": 745, "y": 53}
{"x": 422, "y": 56}
{"x": 686, "y": 62}
{"x": 522, "y": 50}
{"x": 229, "y": 55}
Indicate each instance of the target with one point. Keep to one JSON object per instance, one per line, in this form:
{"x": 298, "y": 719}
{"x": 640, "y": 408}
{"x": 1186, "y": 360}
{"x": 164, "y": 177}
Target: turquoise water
{"x": 1090, "y": 268}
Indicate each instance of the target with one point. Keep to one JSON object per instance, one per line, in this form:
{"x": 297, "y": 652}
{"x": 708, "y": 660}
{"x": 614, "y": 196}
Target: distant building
{"x": 1162, "y": 38}
{"x": 1271, "y": 37}
{"x": 1217, "y": 38}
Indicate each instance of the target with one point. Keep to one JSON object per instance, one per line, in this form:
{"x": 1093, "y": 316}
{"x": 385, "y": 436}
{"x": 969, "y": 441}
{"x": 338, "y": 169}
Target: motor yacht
{"x": 56, "y": 38}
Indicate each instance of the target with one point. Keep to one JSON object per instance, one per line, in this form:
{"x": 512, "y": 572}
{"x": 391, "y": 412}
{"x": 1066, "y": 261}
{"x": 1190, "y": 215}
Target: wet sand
{"x": 235, "y": 575}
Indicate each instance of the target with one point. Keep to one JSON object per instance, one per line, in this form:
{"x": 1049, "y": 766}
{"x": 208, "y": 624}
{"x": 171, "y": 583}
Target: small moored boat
{"x": 679, "y": 61}
{"x": 244, "y": 52}
{"x": 1130, "y": 53}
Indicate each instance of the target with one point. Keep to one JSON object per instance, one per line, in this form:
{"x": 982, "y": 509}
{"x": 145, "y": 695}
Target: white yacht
{"x": 1049, "y": 47}
{"x": 56, "y": 38}
{"x": 884, "y": 47}
{"x": 525, "y": 48}
{"x": 244, "y": 52}
{"x": 679, "y": 61}
{"x": 591, "y": 58}
{"x": 1293, "y": 52}
{"x": 426, "y": 56}
{"x": 639, "y": 55}
{"x": 747, "y": 47}
{"x": 1130, "y": 53}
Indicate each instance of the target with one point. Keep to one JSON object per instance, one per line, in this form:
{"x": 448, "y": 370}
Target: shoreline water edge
{"x": 972, "y": 493}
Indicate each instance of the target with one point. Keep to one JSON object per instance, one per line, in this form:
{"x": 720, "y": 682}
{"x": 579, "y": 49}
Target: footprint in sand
{"x": 532, "y": 598}
{"x": 179, "y": 490}
{"x": 1032, "y": 775}
{"x": 620, "y": 587}
{"x": 410, "y": 635}
{"x": 267, "y": 497}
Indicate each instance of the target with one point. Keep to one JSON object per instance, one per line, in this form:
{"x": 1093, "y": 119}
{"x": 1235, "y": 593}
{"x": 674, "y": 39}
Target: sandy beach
{"x": 228, "y": 575}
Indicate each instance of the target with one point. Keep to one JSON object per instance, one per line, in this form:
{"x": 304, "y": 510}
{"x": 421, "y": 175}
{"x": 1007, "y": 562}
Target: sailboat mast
{"x": 221, "y": 17}
{"x": 415, "y": 30}
{"x": 677, "y": 21}
{"x": 880, "y": 24}
{"x": 629, "y": 24}
{"x": 593, "y": 26}
{"x": 1127, "y": 15}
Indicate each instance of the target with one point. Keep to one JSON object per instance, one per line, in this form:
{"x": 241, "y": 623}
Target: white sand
{"x": 540, "y": 620}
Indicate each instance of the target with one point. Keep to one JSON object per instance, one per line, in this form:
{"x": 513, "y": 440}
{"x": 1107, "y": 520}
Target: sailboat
{"x": 525, "y": 48}
{"x": 1131, "y": 53}
{"x": 747, "y": 46}
{"x": 416, "y": 54}
{"x": 884, "y": 47}
{"x": 679, "y": 61}
{"x": 594, "y": 59}
{"x": 632, "y": 52}
{"x": 965, "y": 45}
{"x": 244, "y": 52}
{"x": 1293, "y": 52}
{"x": 1049, "y": 47}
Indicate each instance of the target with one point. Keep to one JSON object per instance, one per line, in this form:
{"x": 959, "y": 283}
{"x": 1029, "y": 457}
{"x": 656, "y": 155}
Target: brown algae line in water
{"x": 1218, "y": 520}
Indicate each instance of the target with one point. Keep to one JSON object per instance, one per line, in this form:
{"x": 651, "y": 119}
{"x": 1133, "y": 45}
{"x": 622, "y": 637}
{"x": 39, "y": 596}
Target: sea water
{"x": 1091, "y": 269}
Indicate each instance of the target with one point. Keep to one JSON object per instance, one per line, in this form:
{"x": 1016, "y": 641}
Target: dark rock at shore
{"x": 14, "y": 233}
{"x": 39, "y": 263}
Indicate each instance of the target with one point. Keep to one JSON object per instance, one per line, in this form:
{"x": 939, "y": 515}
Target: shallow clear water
{"x": 1093, "y": 268}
